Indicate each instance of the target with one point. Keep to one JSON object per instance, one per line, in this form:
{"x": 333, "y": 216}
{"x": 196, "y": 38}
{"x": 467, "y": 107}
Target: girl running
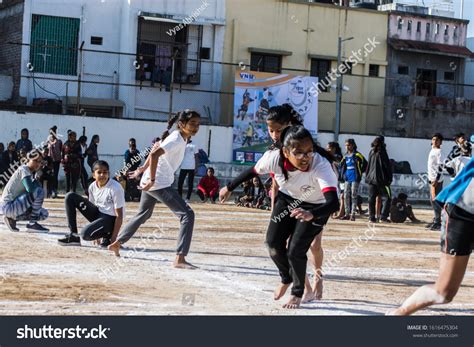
{"x": 104, "y": 209}
{"x": 164, "y": 160}
{"x": 307, "y": 196}
{"x": 457, "y": 242}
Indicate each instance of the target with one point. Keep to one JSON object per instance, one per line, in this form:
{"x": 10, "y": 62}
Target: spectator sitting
{"x": 400, "y": 210}
{"x": 259, "y": 192}
{"x": 208, "y": 187}
{"x": 246, "y": 198}
{"x": 10, "y": 156}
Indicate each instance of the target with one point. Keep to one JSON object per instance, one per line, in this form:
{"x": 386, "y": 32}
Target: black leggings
{"x": 102, "y": 225}
{"x": 385, "y": 192}
{"x": 182, "y": 178}
{"x": 71, "y": 181}
{"x": 291, "y": 261}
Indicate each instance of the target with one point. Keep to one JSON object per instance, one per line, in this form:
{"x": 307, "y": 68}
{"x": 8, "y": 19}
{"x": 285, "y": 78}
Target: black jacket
{"x": 379, "y": 170}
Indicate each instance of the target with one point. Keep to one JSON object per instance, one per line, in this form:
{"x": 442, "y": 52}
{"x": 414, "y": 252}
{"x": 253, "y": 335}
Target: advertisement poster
{"x": 255, "y": 94}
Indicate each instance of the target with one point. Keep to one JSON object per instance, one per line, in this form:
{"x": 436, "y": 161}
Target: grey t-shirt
{"x": 15, "y": 187}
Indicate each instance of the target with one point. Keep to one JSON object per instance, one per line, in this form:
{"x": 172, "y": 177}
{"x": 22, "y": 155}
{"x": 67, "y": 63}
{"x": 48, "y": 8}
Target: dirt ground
{"x": 363, "y": 275}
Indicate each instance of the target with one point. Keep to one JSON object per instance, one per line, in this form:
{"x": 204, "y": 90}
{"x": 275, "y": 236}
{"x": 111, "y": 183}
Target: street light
{"x": 339, "y": 88}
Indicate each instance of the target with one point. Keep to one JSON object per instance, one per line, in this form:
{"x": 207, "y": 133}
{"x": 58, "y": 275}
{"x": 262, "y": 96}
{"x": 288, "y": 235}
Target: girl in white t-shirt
{"x": 104, "y": 209}
{"x": 306, "y": 198}
{"x": 159, "y": 170}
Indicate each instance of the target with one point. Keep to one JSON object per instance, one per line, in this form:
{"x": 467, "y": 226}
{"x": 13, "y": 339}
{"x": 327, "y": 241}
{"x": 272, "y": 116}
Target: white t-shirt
{"x": 307, "y": 186}
{"x": 434, "y": 161}
{"x": 189, "y": 161}
{"x": 174, "y": 146}
{"x": 15, "y": 187}
{"x": 108, "y": 198}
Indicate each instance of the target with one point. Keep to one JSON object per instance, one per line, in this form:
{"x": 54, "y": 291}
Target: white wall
{"x": 415, "y": 151}
{"x": 114, "y": 133}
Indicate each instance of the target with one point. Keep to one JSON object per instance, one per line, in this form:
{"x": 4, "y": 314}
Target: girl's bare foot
{"x": 318, "y": 288}
{"x": 293, "y": 303}
{"x": 280, "y": 291}
{"x": 308, "y": 297}
{"x": 397, "y": 312}
{"x": 115, "y": 247}
{"x": 181, "y": 263}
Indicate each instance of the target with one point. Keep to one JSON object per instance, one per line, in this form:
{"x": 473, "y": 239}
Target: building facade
{"x": 425, "y": 75}
{"x": 115, "y": 56}
{"x": 301, "y": 38}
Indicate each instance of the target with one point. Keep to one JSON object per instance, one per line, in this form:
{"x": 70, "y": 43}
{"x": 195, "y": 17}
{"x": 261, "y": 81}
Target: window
{"x": 54, "y": 43}
{"x": 265, "y": 62}
{"x": 320, "y": 68}
{"x": 96, "y": 40}
{"x": 400, "y": 23}
{"x": 428, "y": 28}
{"x": 157, "y": 43}
{"x": 418, "y": 27}
{"x": 349, "y": 68}
{"x": 449, "y": 76}
{"x": 409, "y": 25}
{"x": 437, "y": 29}
{"x": 373, "y": 70}
{"x": 446, "y": 29}
{"x": 402, "y": 70}
{"x": 455, "y": 31}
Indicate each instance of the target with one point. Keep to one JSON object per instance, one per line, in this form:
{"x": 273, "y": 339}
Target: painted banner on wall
{"x": 255, "y": 94}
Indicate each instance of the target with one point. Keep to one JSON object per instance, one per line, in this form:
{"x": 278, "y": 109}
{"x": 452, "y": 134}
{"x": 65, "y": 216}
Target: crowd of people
{"x": 308, "y": 184}
{"x": 71, "y": 155}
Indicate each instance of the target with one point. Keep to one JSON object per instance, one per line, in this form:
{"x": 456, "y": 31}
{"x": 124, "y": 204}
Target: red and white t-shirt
{"x": 307, "y": 186}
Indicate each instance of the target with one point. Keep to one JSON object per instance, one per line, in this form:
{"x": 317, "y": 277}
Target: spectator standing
{"x": 55, "y": 147}
{"x": 188, "y": 168}
{"x": 24, "y": 143}
{"x": 379, "y": 179}
{"x": 435, "y": 178}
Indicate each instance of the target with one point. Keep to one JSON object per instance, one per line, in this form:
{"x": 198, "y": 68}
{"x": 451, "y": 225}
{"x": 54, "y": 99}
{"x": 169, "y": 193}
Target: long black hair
{"x": 353, "y": 143}
{"x": 284, "y": 114}
{"x": 294, "y": 134}
{"x": 184, "y": 117}
{"x": 337, "y": 148}
{"x": 378, "y": 145}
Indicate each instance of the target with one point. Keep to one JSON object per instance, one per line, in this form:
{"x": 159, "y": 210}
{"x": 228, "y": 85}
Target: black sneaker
{"x": 429, "y": 225}
{"x": 436, "y": 227}
{"x": 372, "y": 220}
{"x": 385, "y": 220}
{"x": 11, "y": 224}
{"x": 105, "y": 242}
{"x": 36, "y": 228}
{"x": 70, "y": 240}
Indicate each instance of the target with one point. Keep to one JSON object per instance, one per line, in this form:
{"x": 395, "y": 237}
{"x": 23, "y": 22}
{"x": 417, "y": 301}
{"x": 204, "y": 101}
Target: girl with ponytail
{"x": 159, "y": 169}
{"x": 307, "y": 197}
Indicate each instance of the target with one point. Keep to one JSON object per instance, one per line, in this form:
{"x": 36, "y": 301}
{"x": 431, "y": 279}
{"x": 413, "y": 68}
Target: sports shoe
{"x": 436, "y": 227}
{"x": 70, "y": 240}
{"x": 353, "y": 218}
{"x": 429, "y": 225}
{"x": 372, "y": 220}
{"x": 105, "y": 242}
{"x": 11, "y": 224}
{"x": 385, "y": 220}
{"x": 347, "y": 217}
{"x": 36, "y": 228}
{"x": 187, "y": 201}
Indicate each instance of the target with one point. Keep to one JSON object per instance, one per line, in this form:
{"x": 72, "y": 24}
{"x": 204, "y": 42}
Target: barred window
{"x": 54, "y": 44}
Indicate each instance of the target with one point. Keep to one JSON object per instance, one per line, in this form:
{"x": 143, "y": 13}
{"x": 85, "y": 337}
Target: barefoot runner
{"x": 457, "y": 242}
{"x": 165, "y": 159}
{"x": 306, "y": 198}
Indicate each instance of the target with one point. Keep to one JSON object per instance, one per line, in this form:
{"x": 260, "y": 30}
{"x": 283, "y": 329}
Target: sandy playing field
{"x": 235, "y": 275}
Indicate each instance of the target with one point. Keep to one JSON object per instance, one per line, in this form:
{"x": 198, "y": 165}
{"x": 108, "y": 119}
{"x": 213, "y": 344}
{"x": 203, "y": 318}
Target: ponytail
{"x": 184, "y": 117}
{"x": 284, "y": 114}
